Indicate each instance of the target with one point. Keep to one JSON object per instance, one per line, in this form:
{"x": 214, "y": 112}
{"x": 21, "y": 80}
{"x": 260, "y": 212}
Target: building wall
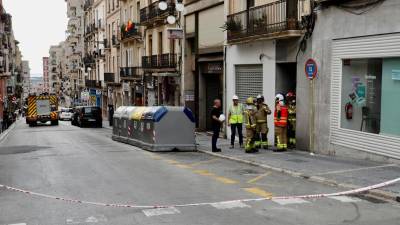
{"x": 341, "y": 24}
{"x": 249, "y": 54}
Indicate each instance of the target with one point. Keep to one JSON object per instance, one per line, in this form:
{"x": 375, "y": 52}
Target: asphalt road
{"x": 85, "y": 164}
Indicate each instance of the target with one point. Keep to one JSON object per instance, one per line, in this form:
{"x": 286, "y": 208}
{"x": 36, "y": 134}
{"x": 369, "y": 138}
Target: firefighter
{"x": 280, "y": 121}
{"x": 250, "y": 123}
{"x": 262, "y": 126}
{"x": 291, "y": 100}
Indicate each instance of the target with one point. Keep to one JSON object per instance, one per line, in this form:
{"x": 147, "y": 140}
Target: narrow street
{"x": 85, "y": 164}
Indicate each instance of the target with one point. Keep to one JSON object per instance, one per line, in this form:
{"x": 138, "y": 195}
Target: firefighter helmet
{"x": 279, "y": 97}
{"x": 250, "y": 101}
{"x": 290, "y": 95}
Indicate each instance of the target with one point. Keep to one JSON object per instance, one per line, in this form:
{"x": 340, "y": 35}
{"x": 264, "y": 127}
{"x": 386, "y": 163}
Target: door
{"x": 213, "y": 91}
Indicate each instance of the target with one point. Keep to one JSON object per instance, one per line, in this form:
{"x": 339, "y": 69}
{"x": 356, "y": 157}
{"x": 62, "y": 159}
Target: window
{"x": 370, "y": 90}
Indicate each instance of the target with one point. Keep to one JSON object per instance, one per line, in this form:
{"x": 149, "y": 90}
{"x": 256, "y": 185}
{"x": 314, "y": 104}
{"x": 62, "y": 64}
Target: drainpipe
{"x": 224, "y": 93}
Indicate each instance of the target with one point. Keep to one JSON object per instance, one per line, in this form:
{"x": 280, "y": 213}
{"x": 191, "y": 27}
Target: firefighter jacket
{"x": 262, "y": 112}
{"x": 281, "y": 116}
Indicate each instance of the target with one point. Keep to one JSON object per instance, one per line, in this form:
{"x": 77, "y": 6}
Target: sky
{"x": 37, "y": 25}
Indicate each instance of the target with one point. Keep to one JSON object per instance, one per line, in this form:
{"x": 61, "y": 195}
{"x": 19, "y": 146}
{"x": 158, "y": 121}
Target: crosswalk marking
{"x": 161, "y": 211}
{"x": 345, "y": 199}
{"x": 230, "y": 205}
{"x": 290, "y": 201}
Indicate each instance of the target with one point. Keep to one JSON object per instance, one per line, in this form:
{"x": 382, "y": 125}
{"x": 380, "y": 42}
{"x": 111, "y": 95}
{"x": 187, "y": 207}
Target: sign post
{"x": 311, "y": 71}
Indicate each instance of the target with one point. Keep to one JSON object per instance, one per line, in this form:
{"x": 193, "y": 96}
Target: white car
{"x": 66, "y": 114}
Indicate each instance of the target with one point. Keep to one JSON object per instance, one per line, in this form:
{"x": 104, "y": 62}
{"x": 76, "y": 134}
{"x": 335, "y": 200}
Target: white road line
{"x": 18, "y": 224}
{"x": 229, "y": 205}
{"x": 358, "y": 169}
{"x": 345, "y": 199}
{"x": 160, "y": 212}
{"x": 290, "y": 201}
{"x": 90, "y": 219}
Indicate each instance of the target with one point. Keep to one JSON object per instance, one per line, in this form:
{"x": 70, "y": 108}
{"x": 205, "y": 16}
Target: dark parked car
{"x": 87, "y": 116}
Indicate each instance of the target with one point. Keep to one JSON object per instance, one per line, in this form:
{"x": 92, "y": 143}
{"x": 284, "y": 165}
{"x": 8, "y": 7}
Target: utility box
{"x": 157, "y": 128}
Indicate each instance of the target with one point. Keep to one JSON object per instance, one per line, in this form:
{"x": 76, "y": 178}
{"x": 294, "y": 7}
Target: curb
{"x": 378, "y": 194}
{"x": 5, "y": 133}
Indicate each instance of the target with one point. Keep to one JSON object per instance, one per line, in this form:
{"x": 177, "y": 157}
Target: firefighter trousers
{"x": 281, "y": 138}
{"x": 250, "y": 140}
{"x": 261, "y": 135}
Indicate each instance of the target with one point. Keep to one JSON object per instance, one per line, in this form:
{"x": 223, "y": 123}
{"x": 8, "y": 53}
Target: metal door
{"x": 248, "y": 81}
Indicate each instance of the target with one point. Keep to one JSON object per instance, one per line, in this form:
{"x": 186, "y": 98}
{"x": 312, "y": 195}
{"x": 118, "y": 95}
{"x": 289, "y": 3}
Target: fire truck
{"x": 42, "y": 108}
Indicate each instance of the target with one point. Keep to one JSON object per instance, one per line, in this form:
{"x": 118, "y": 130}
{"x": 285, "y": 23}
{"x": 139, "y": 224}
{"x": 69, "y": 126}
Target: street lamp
{"x": 171, "y": 19}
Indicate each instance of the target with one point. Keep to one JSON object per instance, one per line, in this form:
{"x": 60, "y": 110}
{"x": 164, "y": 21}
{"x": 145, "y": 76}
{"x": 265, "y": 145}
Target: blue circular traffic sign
{"x": 311, "y": 69}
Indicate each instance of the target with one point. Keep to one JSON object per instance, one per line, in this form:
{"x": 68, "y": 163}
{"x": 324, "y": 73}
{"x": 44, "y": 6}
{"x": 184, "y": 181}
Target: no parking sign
{"x": 311, "y": 69}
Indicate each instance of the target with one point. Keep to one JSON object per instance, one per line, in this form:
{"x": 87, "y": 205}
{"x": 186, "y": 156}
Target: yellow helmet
{"x": 250, "y": 101}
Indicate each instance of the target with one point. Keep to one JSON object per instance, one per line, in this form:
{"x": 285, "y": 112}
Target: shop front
{"x": 365, "y": 93}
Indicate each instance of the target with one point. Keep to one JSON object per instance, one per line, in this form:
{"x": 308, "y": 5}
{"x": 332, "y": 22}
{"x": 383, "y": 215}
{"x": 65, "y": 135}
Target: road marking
{"x": 90, "y": 219}
{"x": 204, "y": 172}
{"x": 258, "y": 178}
{"x": 230, "y": 205}
{"x": 170, "y": 161}
{"x": 183, "y": 166}
{"x": 160, "y": 212}
{"x": 290, "y": 201}
{"x": 345, "y": 199}
{"x": 358, "y": 169}
{"x": 259, "y": 192}
{"x": 18, "y": 224}
{"x": 225, "y": 180}
{"x": 204, "y": 162}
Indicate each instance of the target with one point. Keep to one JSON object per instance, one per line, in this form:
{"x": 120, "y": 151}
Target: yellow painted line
{"x": 259, "y": 192}
{"x": 258, "y": 178}
{"x": 225, "y": 180}
{"x": 204, "y": 162}
{"x": 203, "y": 172}
{"x": 171, "y": 161}
{"x": 183, "y": 166}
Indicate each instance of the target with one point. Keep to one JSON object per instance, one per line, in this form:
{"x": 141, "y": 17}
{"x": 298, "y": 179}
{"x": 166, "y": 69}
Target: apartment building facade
{"x": 56, "y": 64}
{"x": 132, "y": 48}
{"x": 46, "y": 81}
{"x": 74, "y": 79}
{"x": 26, "y": 77}
{"x": 203, "y": 78}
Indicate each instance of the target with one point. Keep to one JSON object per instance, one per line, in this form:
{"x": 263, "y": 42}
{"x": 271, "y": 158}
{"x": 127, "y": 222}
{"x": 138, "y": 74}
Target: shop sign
{"x": 175, "y": 33}
{"x": 311, "y": 69}
{"x": 125, "y": 86}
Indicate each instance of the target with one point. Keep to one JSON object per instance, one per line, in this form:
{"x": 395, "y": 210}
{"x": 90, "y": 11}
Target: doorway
{"x": 213, "y": 91}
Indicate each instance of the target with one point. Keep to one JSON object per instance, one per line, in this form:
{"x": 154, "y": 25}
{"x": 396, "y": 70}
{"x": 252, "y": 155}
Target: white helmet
{"x": 235, "y": 97}
{"x": 280, "y": 97}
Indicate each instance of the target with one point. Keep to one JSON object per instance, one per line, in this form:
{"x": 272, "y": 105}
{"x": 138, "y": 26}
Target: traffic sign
{"x": 311, "y": 69}
{"x": 14, "y": 99}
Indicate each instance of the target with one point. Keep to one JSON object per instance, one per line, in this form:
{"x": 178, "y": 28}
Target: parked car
{"x": 87, "y": 116}
{"x": 66, "y": 114}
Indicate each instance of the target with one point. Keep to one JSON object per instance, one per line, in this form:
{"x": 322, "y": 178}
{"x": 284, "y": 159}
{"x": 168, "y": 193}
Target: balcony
{"x": 93, "y": 83}
{"x": 109, "y": 77}
{"x": 90, "y": 29}
{"x": 153, "y": 14}
{"x": 164, "y": 61}
{"x": 280, "y": 19}
{"x": 131, "y": 73}
{"x": 130, "y": 32}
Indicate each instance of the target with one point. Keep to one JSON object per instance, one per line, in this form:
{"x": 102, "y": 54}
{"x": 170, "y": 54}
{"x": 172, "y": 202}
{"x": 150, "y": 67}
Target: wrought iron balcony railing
{"x": 127, "y": 73}
{"x": 159, "y": 61}
{"x": 275, "y": 17}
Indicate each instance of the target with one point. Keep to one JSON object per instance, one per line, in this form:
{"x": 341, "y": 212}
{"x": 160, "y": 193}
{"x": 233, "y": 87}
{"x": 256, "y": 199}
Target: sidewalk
{"x": 106, "y": 124}
{"x": 333, "y": 170}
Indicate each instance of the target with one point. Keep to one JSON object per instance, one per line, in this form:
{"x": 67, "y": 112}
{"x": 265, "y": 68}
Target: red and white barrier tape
{"x": 354, "y": 191}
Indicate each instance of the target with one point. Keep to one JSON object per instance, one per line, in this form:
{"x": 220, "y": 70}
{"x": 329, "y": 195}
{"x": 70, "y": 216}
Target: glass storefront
{"x": 371, "y": 95}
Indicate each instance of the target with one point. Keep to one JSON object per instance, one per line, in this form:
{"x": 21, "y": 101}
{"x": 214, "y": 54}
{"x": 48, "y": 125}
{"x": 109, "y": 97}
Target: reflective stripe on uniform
{"x": 236, "y": 114}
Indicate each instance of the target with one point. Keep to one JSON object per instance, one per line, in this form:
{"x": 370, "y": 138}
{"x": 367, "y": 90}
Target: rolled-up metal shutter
{"x": 249, "y": 81}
